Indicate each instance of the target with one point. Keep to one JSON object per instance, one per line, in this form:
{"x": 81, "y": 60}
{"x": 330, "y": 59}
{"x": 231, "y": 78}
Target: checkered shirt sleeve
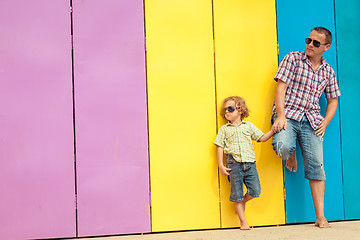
{"x": 332, "y": 89}
{"x": 256, "y": 133}
{"x": 286, "y": 69}
{"x": 220, "y": 138}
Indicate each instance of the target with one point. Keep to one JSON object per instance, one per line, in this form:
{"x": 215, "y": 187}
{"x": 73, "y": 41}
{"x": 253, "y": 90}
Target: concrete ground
{"x": 345, "y": 230}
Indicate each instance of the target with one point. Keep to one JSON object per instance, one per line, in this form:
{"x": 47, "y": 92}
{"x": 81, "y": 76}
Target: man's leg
{"x": 284, "y": 144}
{"x": 318, "y": 192}
{"x": 312, "y": 150}
{"x": 291, "y": 163}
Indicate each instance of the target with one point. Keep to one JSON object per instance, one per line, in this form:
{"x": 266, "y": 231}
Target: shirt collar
{"x": 229, "y": 124}
{"x": 305, "y": 58}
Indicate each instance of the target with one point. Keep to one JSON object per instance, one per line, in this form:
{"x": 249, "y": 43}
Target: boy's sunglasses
{"x": 230, "y": 109}
{"x": 316, "y": 43}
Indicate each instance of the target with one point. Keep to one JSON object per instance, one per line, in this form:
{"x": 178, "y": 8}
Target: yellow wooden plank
{"x": 182, "y": 115}
{"x": 246, "y": 61}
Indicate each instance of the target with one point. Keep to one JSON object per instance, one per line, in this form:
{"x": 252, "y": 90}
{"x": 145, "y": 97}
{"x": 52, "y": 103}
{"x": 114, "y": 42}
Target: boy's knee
{"x": 255, "y": 194}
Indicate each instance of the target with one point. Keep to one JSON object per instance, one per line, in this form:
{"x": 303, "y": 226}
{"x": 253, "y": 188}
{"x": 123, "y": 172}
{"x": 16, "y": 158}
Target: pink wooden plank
{"x": 36, "y": 136}
{"x": 111, "y": 117}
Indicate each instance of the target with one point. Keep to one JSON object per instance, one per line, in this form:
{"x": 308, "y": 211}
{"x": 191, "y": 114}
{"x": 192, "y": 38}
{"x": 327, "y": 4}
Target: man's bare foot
{"x": 322, "y": 223}
{"x": 291, "y": 163}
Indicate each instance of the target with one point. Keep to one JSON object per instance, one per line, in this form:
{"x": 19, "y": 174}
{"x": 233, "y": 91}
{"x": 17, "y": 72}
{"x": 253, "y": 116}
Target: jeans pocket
{"x": 230, "y": 160}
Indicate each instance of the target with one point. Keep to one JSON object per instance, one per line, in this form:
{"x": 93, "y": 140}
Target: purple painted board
{"x": 36, "y": 130}
{"x": 111, "y": 117}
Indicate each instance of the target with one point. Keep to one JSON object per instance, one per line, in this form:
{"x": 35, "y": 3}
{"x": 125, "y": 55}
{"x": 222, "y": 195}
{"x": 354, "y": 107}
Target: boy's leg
{"x": 236, "y": 194}
{"x": 240, "y": 211}
{"x": 252, "y": 183}
{"x": 284, "y": 144}
{"x": 236, "y": 180}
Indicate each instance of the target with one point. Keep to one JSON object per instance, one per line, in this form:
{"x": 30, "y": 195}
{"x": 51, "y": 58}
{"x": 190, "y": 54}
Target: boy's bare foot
{"x": 291, "y": 163}
{"x": 240, "y": 210}
{"x": 244, "y": 225}
{"x": 322, "y": 223}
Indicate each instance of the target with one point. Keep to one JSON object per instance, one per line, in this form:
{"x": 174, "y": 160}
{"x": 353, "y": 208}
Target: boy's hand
{"x": 224, "y": 170}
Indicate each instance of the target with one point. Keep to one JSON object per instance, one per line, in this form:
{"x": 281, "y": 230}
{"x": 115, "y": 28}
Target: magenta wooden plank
{"x": 111, "y": 117}
{"x": 36, "y": 140}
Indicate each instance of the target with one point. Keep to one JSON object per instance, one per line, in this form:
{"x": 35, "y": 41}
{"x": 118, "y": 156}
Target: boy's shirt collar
{"x": 229, "y": 123}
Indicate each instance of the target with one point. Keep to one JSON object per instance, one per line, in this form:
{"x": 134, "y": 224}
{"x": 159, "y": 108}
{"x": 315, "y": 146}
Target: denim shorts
{"x": 284, "y": 144}
{"x": 243, "y": 173}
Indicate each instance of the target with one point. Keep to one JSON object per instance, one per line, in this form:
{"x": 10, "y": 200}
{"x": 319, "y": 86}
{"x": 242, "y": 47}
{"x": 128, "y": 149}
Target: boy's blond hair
{"x": 239, "y": 102}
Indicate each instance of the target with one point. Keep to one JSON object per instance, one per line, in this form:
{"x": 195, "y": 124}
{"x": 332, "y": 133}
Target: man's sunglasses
{"x": 230, "y": 109}
{"x": 316, "y": 43}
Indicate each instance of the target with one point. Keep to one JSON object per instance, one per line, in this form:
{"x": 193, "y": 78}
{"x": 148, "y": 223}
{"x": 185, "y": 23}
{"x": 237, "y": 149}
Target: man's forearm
{"x": 330, "y": 109}
{"x": 280, "y": 98}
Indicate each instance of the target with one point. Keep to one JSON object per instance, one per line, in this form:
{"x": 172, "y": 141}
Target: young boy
{"x": 235, "y": 140}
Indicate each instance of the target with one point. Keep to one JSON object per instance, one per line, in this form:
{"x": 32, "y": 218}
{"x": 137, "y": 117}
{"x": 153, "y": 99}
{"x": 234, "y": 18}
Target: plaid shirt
{"x": 305, "y": 87}
{"x": 237, "y": 140}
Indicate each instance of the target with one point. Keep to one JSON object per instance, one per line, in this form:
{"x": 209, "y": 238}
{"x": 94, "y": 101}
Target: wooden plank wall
{"x": 149, "y": 78}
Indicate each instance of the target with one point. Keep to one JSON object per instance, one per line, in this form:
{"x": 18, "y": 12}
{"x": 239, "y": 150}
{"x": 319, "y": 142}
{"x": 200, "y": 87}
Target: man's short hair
{"x": 328, "y": 36}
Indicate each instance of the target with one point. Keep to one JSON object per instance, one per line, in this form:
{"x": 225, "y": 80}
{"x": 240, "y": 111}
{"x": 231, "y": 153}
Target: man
{"x": 301, "y": 78}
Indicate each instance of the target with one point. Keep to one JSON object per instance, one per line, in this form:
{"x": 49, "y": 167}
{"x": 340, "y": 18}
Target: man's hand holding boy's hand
{"x": 224, "y": 170}
{"x": 280, "y": 123}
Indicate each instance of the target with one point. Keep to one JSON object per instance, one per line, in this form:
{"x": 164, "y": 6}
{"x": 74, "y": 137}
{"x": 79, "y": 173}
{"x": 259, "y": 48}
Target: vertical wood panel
{"x": 348, "y": 33}
{"x": 246, "y": 60}
{"x": 36, "y": 149}
{"x": 182, "y": 123}
{"x": 111, "y": 117}
{"x": 295, "y": 21}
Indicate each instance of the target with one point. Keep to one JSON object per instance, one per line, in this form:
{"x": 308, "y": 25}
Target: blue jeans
{"x": 240, "y": 174}
{"x": 284, "y": 144}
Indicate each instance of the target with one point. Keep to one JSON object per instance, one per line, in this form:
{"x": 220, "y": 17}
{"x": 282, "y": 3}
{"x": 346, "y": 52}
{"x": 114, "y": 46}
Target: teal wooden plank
{"x": 348, "y": 30}
{"x": 295, "y": 21}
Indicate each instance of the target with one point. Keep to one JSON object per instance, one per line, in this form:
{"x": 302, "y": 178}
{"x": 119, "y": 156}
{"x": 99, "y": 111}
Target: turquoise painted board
{"x": 295, "y": 21}
{"x": 348, "y": 32}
